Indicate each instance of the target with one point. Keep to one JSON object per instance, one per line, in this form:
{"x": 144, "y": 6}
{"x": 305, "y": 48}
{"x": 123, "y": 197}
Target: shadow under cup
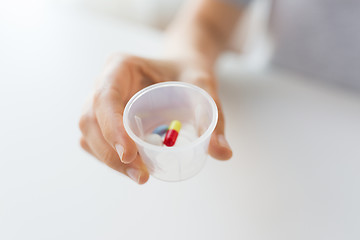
{"x": 159, "y": 104}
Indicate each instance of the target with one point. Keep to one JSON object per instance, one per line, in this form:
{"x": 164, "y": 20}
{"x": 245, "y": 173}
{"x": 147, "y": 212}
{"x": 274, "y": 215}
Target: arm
{"x": 201, "y": 31}
{"x": 198, "y": 35}
{"x": 193, "y": 42}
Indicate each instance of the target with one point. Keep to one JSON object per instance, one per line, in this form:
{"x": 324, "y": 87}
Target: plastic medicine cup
{"x": 160, "y": 104}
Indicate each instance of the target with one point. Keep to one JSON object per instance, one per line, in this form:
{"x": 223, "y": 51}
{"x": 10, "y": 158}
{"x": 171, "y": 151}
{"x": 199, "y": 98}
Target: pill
{"x": 172, "y": 133}
{"x": 154, "y": 139}
{"x": 161, "y": 130}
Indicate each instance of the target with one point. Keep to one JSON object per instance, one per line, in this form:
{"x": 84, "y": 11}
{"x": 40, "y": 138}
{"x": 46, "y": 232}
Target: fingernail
{"x": 120, "y": 151}
{"x": 222, "y": 141}
{"x": 134, "y": 174}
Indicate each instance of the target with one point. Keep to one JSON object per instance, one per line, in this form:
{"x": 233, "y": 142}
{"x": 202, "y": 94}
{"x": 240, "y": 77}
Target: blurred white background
{"x": 255, "y": 48}
{"x": 294, "y": 173}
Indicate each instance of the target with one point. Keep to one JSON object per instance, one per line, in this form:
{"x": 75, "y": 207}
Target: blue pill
{"x": 161, "y": 130}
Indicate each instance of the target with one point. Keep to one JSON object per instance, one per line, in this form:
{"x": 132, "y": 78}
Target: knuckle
{"x": 84, "y": 122}
{"x": 106, "y": 93}
{"x": 102, "y": 96}
{"x": 83, "y": 143}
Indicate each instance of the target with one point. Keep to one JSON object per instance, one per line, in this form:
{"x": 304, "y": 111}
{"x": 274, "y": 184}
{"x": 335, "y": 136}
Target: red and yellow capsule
{"x": 172, "y": 133}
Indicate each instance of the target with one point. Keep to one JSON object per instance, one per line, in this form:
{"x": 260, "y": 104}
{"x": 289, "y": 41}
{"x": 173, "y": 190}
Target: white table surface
{"x": 294, "y": 173}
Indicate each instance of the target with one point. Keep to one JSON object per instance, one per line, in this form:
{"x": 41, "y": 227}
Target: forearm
{"x": 201, "y": 31}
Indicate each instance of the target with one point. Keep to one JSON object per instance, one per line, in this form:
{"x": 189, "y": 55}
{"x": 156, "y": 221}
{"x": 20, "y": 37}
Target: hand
{"x": 101, "y": 124}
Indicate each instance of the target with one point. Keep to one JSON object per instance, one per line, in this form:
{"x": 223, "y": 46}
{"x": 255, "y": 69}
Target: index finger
{"x": 108, "y": 110}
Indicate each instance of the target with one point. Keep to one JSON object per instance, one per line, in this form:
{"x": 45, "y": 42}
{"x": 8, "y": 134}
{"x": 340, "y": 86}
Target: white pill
{"x": 154, "y": 139}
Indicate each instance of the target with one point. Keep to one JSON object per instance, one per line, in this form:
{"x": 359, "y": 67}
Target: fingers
{"x": 108, "y": 106}
{"x": 99, "y": 147}
{"x": 108, "y": 112}
{"x": 123, "y": 77}
{"x": 104, "y": 135}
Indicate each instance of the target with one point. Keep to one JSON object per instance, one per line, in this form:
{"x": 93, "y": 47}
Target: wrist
{"x": 190, "y": 52}
{"x": 196, "y": 72}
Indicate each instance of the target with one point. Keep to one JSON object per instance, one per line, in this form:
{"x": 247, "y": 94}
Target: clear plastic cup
{"x": 160, "y": 104}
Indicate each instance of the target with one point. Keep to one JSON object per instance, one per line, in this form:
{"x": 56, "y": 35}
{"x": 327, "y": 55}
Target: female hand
{"x": 101, "y": 124}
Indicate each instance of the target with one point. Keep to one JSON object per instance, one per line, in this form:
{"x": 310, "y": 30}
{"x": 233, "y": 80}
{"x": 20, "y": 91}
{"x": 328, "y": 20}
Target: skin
{"x": 194, "y": 41}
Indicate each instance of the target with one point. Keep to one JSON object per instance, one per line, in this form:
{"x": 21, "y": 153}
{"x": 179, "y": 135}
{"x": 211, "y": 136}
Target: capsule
{"x": 172, "y": 133}
{"x": 161, "y": 130}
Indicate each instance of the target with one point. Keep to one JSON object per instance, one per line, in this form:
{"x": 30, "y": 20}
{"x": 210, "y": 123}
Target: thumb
{"x": 219, "y": 148}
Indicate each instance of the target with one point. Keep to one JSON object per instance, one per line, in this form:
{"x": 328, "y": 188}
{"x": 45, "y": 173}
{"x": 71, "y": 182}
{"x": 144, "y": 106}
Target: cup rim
{"x": 147, "y": 145}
